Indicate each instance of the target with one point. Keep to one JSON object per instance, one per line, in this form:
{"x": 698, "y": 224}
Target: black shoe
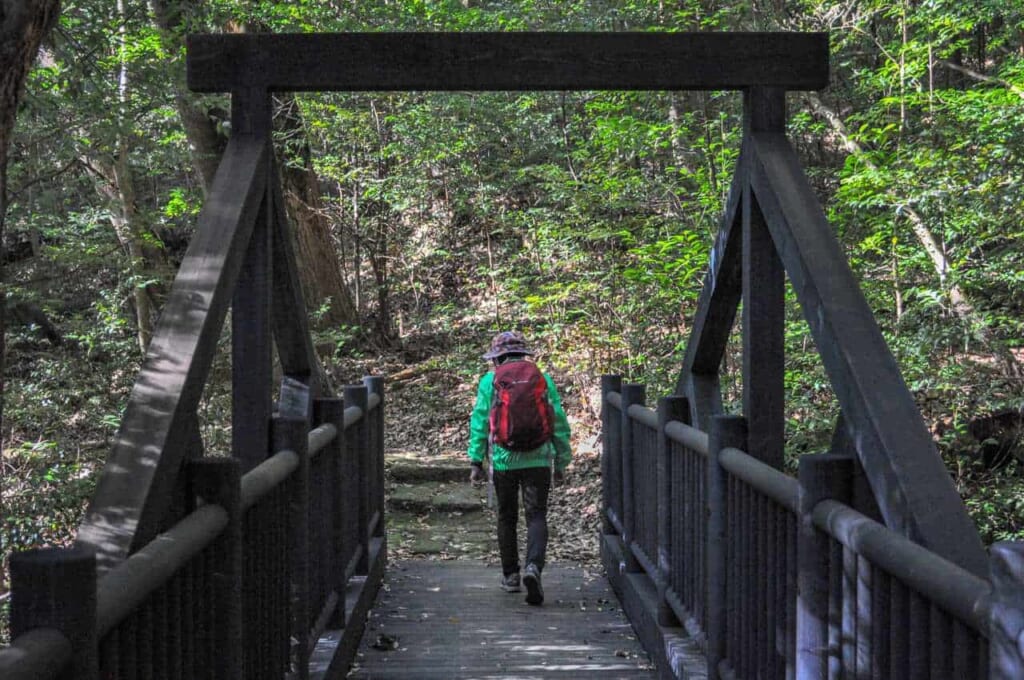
{"x": 531, "y": 579}
{"x": 510, "y": 583}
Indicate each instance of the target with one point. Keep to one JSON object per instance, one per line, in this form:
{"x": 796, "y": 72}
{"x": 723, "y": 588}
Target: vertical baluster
{"x": 965, "y": 651}
{"x": 286, "y": 568}
{"x": 983, "y": 658}
{"x": 695, "y": 555}
{"x": 764, "y": 574}
{"x": 780, "y": 578}
{"x": 56, "y": 588}
{"x": 356, "y": 445}
{"x": 849, "y": 631}
{"x": 791, "y": 593}
{"x": 692, "y": 540}
{"x": 726, "y": 431}
{"x": 821, "y": 477}
{"x": 610, "y": 452}
{"x": 332, "y": 411}
{"x": 255, "y": 596}
{"x": 740, "y": 616}
{"x": 631, "y": 394}
{"x": 941, "y": 644}
{"x": 864, "y": 617}
{"x": 188, "y": 628}
{"x": 771, "y": 615}
{"x": 919, "y": 648}
{"x": 174, "y": 606}
{"x": 144, "y": 640}
{"x": 129, "y": 658}
{"x": 669, "y": 409}
{"x": 732, "y": 562}
{"x": 217, "y": 480}
{"x": 110, "y": 655}
{"x": 836, "y": 579}
{"x": 899, "y": 630}
{"x": 290, "y": 433}
{"x": 375, "y": 384}
{"x": 677, "y": 542}
{"x": 161, "y": 632}
{"x": 880, "y": 623}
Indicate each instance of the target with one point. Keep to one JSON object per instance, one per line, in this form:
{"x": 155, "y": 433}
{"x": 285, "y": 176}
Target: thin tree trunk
{"x": 924, "y": 235}
{"x": 146, "y": 262}
{"x": 380, "y": 243}
{"x": 959, "y": 303}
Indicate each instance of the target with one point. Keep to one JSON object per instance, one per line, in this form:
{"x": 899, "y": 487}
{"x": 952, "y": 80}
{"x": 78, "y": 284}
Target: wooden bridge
{"x": 265, "y": 563}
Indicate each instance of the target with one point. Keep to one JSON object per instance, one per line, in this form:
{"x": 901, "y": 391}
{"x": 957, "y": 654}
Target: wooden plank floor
{"x": 450, "y": 619}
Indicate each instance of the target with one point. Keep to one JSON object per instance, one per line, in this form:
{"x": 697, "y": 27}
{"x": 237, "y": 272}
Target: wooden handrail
{"x": 953, "y": 588}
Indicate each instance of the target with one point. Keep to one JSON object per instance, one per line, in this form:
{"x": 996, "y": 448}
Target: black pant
{"x": 535, "y": 483}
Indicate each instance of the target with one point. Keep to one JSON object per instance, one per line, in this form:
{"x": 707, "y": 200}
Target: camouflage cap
{"x": 507, "y": 342}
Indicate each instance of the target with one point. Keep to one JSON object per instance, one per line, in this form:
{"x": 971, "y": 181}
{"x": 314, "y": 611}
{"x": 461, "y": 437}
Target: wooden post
{"x": 375, "y": 385}
{"x": 1006, "y": 622}
{"x": 292, "y": 434}
{"x": 331, "y": 410}
{"x": 824, "y": 476}
{"x": 669, "y": 409}
{"x": 632, "y": 393}
{"x": 218, "y": 481}
{"x": 356, "y": 395}
{"x": 611, "y": 451}
{"x": 251, "y": 335}
{"x": 764, "y": 295}
{"x": 56, "y": 588}
{"x": 726, "y": 432}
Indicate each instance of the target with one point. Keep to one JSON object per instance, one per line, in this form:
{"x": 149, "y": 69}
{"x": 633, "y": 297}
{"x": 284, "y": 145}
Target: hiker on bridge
{"x": 518, "y": 419}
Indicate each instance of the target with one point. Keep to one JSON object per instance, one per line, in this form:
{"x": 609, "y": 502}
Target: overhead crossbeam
{"x": 506, "y": 61}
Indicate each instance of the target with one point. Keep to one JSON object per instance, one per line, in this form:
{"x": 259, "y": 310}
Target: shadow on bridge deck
{"x": 451, "y": 620}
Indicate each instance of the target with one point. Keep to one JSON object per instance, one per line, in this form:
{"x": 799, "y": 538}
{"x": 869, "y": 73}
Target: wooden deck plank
{"x": 451, "y": 620}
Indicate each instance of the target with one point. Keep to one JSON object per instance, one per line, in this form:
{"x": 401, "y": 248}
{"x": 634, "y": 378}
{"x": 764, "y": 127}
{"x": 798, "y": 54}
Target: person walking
{"x": 518, "y": 420}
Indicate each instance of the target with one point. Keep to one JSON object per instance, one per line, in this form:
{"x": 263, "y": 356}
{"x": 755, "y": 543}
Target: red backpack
{"x": 521, "y": 415}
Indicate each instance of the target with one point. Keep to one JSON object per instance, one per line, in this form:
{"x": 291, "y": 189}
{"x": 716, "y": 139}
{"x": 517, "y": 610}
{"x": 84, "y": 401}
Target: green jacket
{"x": 557, "y": 448}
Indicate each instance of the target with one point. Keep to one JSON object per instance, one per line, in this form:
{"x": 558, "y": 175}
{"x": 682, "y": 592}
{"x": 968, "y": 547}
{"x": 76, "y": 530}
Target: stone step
{"x": 412, "y": 468}
{"x": 437, "y": 497}
{"x": 413, "y": 472}
{"x": 450, "y": 535}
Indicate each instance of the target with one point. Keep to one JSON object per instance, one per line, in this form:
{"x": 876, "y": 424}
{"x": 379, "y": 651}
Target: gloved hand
{"x": 476, "y": 474}
{"x": 559, "y": 478}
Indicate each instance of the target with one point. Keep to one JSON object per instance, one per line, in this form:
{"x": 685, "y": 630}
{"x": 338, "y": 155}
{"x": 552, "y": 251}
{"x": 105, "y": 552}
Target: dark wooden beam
{"x": 251, "y": 347}
{"x": 764, "y": 303}
{"x": 716, "y": 311}
{"x": 158, "y": 428}
{"x": 291, "y": 322}
{"x": 910, "y": 482}
{"x": 507, "y": 61}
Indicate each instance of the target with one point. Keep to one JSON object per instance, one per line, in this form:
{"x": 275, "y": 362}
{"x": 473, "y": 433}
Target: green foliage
{"x": 583, "y": 218}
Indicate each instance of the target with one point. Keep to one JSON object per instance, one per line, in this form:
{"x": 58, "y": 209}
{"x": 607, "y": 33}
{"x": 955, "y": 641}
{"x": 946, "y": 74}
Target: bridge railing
{"x": 268, "y": 548}
{"x": 778, "y": 577}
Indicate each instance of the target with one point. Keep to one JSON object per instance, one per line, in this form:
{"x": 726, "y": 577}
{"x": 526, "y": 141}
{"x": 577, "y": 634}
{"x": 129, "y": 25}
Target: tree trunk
{"x": 23, "y": 25}
{"x": 319, "y": 266}
{"x": 146, "y": 261}
{"x": 206, "y": 144}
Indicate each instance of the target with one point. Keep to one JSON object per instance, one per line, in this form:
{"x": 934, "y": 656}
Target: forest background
{"x": 426, "y": 222}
